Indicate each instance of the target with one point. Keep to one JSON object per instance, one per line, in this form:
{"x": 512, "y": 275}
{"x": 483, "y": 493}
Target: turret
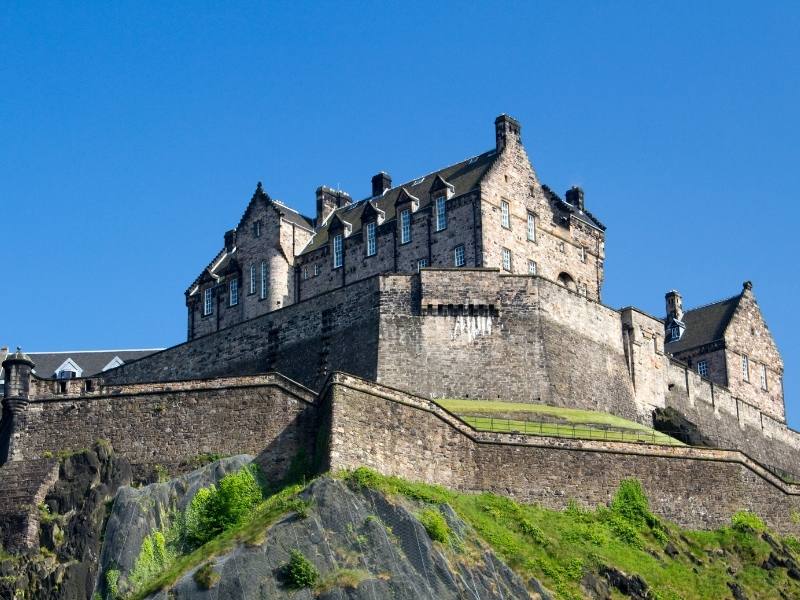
{"x": 17, "y": 369}
{"x": 674, "y": 305}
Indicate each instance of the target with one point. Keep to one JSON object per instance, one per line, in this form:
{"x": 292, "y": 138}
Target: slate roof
{"x": 91, "y": 361}
{"x": 581, "y": 215}
{"x": 463, "y": 176}
{"x": 704, "y": 325}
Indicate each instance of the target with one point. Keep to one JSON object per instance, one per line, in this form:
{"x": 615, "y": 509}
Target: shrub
{"x": 792, "y": 543}
{"x": 630, "y": 502}
{"x": 300, "y": 572}
{"x": 746, "y": 522}
{"x": 435, "y": 524}
{"x": 624, "y": 530}
{"x": 154, "y": 557}
{"x": 364, "y": 477}
{"x": 532, "y": 531}
{"x": 206, "y": 577}
{"x": 112, "y": 584}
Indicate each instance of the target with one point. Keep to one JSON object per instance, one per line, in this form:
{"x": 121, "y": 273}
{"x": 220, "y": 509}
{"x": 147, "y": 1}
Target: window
{"x": 371, "y": 242}
{"x": 674, "y": 334}
{"x": 66, "y": 374}
{"x": 458, "y": 256}
{"x": 441, "y": 213}
{"x": 421, "y": 264}
{"x": 337, "y": 251}
{"x": 531, "y": 267}
{"x": 702, "y": 368}
{"x": 745, "y": 368}
{"x": 257, "y": 229}
{"x": 583, "y": 254}
{"x": 561, "y": 246}
{"x": 233, "y": 289}
{"x": 764, "y": 377}
{"x": 208, "y": 301}
{"x": 531, "y": 227}
{"x": 305, "y": 272}
{"x": 263, "y": 279}
{"x": 405, "y": 226}
{"x": 252, "y": 279}
{"x": 505, "y": 214}
{"x": 316, "y": 270}
{"x": 506, "y": 259}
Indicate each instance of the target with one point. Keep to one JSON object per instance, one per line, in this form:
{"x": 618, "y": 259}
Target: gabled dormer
{"x": 440, "y": 187}
{"x": 405, "y": 200}
{"x": 338, "y": 230}
{"x": 68, "y": 369}
{"x": 372, "y": 213}
{"x": 441, "y": 191}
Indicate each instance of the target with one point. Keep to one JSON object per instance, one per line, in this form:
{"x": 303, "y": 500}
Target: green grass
{"x": 551, "y": 421}
{"x": 557, "y": 547}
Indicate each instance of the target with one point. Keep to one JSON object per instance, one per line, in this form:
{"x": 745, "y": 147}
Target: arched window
{"x": 567, "y": 281}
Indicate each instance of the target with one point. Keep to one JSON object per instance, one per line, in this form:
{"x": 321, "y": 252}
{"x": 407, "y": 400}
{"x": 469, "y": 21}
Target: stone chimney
{"x": 380, "y": 183}
{"x": 230, "y": 239}
{"x": 329, "y": 200}
{"x": 674, "y": 305}
{"x": 507, "y": 129}
{"x": 574, "y": 197}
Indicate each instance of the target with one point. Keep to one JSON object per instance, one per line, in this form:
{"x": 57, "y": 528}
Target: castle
{"x": 330, "y": 336}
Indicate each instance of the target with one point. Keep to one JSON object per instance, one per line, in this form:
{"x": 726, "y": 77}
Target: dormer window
{"x": 441, "y": 213}
{"x": 372, "y": 242}
{"x": 405, "y": 226}
{"x": 69, "y": 369}
{"x": 208, "y": 301}
{"x": 67, "y": 374}
{"x": 338, "y": 251}
{"x": 674, "y": 333}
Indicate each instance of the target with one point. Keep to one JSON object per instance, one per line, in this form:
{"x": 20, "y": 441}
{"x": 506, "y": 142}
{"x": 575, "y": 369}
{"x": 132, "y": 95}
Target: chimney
{"x": 230, "y": 239}
{"x": 674, "y": 305}
{"x": 380, "y": 183}
{"x": 329, "y": 200}
{"x": 506, "y": 129}
{"x": 574, "y": 197}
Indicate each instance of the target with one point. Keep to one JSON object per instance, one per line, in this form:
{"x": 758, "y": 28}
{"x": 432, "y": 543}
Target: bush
{"x": 746, "y": 522}
{"x": 300, "y": 572}
{"x": 364, "y": 477}
{"x": 215, "y": 509}
{"x": 532, "y": 531}
{"x": 435, "y": 524}
{"x": 206, "y": 577}
{"x": 154, "y": 557}
{"x": 630, "y": 502}
{"x": 112, "y": 584}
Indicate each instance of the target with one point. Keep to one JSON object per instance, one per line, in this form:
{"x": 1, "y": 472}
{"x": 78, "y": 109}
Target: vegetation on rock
{"x": 300, "y": 572}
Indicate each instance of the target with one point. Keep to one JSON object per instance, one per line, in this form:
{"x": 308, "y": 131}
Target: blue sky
{"x": 133, "y": 134}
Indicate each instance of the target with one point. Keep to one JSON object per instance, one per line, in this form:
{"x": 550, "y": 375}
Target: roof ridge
{"x": 708, "y": 304}
{"x": 97, "y": 351}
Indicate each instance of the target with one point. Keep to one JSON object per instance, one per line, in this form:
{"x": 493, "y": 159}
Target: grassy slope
{"x": 491, "y": 415}
{"x": 559, "y": 547}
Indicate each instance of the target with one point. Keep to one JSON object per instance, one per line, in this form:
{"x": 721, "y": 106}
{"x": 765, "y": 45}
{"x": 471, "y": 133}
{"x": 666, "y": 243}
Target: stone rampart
{"x": 172, "y": 423}
{"x": 23, "y": 485}
{"x": 409, "y": 436}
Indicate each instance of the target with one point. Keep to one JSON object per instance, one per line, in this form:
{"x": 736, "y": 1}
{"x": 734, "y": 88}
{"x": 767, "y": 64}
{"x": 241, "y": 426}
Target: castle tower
{"x": 674, "y": 302}
{"x": 17, "y": 368}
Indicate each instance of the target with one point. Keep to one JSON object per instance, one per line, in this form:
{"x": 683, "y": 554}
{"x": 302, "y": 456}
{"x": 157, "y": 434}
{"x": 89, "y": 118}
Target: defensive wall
{"x": 409, "y": 436}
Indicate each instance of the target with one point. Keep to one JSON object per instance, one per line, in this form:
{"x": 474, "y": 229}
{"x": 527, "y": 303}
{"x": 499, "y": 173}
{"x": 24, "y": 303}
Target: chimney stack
{"x": 380, "y": 183}
{"x": 674, "y": 305}
{"x": 230, "y": 239}
{"x": 574, "y": 197}
{"x": 329, "y": 200}
{"x": 506, "y": 129}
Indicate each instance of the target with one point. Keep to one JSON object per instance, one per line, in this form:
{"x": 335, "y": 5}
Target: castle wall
{"x": 170, "y": 424}
{"x": 304, "y": 341}
{"x": 404, "y": 435}
{"x": 476, "y": 334}
{"x": 643, "y": 343}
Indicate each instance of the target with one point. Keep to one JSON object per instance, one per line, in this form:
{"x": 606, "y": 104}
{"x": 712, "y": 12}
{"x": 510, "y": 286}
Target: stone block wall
{"x": 170, "y": 424}
{"x": 408, "y": 436}
{"x": 23, "y": 485}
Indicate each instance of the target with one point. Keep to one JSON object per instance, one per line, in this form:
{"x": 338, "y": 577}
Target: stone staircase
{"x": 23, "y": 485}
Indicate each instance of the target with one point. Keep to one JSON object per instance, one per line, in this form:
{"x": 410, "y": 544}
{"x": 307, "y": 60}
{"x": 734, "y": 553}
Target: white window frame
{"x": 505, "y": 214}
{"x": 531, "y": 227}
{"x": 441, "y": 213}
{"x": 764, "y": 382}
{"x": 316, "y": 270}
{"x": 531, "y": 267}
{"x": 674, "y": 333}
{"x": 372, "y": 242}
{"x": 745, "y": 369}
{"x": 338, "y": 250}
{"x": 506, "y": 259}
{"x": 702, "y": 368}
{"x": 233, "y": 292}
{"x": 405, "y": 226}
{"x": 208, "y": 301}
{"x": 263, "y": 293}
{"x": 583, "y": 254}
{"x": 252, "y": 279}
{"x": 421, "y": 264}
{"x": 459, "y": 258}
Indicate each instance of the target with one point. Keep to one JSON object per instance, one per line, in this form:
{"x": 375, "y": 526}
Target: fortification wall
{"x": 408, "y": 436}
{"x": 304, "y": 341}
{"x": 170, "y": 424}
{"x": 479, "y": 334}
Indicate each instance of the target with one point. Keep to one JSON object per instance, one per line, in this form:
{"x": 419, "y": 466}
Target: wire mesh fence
{"x": 571, "y": 430}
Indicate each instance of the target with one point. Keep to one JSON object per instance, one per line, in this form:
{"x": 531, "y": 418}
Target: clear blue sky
{"x": 133, "y": 134}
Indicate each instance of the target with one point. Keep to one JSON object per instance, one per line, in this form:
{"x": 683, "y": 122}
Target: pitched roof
{"x": 91, "y": 362}
{"x": 705, "y": 324}
{"x": 463, "y": 176}
{"x": 581, "y": 215}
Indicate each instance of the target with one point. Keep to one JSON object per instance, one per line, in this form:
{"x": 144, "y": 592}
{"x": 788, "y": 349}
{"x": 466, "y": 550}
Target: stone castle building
{"x": 487, "y": 211}
{"x": 332, "y": 335}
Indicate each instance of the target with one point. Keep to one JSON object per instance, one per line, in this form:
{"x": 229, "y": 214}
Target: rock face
{"x": 364, "y": 546}
{"x": 672, "y": 422}
{"x": 73, "y": 514}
